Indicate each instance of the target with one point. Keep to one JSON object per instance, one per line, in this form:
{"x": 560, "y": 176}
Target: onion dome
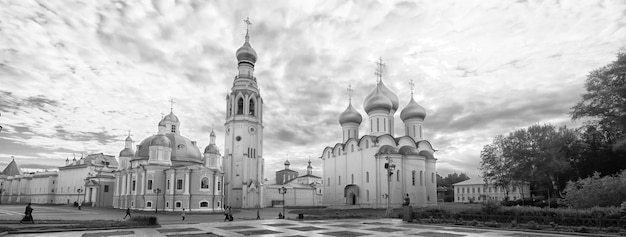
{"x": 246, "y": 53}
{"x": 350, "y": 115}
{"x": 413, "y": 110}
{"x": 392, "y": 96}
{"x": 211, "y": 149}
{"x": 183, "y": 149}
{"x": 162, "y": 123}
{"x": 128, "y": 139}
{"x": 377, "y": 100}
{"x": 287, "y": 162}
{"x": 160, "y": 140}
{"x": 170, "y": 117}
{"x": 127, "y": 152}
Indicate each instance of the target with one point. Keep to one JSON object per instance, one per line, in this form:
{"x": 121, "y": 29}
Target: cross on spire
{"x": 172, "y": 104}
{"x": 162, "y": 114}
{"x": 350, "y": 91}
{"x": 380, "y": 67}
{"x": 411, "y": 84}
{"x": 129, "y": 132}
{"x": 248, "y": 23}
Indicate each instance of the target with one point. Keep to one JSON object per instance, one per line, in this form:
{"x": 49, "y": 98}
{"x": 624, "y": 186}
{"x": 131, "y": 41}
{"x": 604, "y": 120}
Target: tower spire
{"x": 350, "y": 91}
{"x": 172, "y": 104}
{"x": 380, "y": 67}
{"x": 248, "y": 23}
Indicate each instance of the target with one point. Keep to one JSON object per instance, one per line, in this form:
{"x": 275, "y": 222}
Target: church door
{"x": 353, "y": 199}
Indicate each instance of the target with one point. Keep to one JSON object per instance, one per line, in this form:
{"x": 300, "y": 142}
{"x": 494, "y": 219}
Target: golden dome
{"x": 160, "y": 140}
{"x": 377, "y": 100}
{"x": 350, "y": 115}
{"x": 413, "y": 110}
{"x": 182, "y": 148}
{"x": 170, "y": 117}
{"x": 246, "y": 53}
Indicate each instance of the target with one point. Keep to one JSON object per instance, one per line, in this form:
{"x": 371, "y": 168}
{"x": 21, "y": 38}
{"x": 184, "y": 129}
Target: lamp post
{"x": 282, "y": 191}
{"x": 390, "y": 167}
{"x": 156, "y": 207}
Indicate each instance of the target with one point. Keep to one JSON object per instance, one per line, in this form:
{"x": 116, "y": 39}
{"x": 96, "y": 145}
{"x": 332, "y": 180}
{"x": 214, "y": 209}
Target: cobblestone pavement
{"x": 276, "y": 227}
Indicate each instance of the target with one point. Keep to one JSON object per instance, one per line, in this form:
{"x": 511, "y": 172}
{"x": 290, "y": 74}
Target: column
{"x": 187, "y": 183}
{"x": 143, "y": 183}
{"x": 172, "y": 184}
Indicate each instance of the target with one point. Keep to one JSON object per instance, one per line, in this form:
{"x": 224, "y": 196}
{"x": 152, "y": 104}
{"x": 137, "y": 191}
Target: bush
{"x": 532, "y": 225}
{"x": 597, "y": 191}
{"x": 490, "y": 207}
{"x": 145, "y": 220}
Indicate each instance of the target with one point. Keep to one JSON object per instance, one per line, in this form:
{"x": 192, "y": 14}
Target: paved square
{"x": 437, "y": 234}
{"x": 344, "y": 233}
{"x": 114, "y": 233}
{"x": 236, "y": 227}
{"x": 280, "y": 224}
{"x": 385, "y": 229}
{"x": 258, "y": 232}
{"x": 306, "y": 228}
{"x": 195, "y": 235}
{"x": 346, "y": 225}
{"x": 177, "y": 230}
{"x": 528, "y": 235}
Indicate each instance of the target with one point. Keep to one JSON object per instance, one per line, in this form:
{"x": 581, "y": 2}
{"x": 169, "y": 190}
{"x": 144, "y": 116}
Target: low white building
{"x": 305, "y": 190}
{"x": 477, "y": 190}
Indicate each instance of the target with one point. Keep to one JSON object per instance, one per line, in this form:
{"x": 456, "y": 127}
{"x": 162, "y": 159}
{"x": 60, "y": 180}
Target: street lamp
{"x": 390, "y": 167}
{"x": 282, "y": 191}
{"x": 156, "y": 207}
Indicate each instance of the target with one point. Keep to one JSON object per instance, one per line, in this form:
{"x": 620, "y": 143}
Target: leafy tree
{"x": 448, "y": 181}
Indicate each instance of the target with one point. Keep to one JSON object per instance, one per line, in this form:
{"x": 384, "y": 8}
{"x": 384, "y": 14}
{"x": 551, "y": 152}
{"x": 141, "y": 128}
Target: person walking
{"x": 79, "y": 205}
{"x": 258, "y": 214}
{"x": 28, "y": 214}
{"x": 226, "y": 217}
{"x": 230, "y": 214}
{"x": 183, "y": 214}
{"x": 127, "y": 213}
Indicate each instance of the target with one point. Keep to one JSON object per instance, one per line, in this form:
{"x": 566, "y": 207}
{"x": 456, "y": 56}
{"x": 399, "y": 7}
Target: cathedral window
{"x": 148, "y": 204}
{"x": 168, "y": 185}
{"x": 204, "y": 204}
{"x": 352, "y": 148}
{"x": 204, "y": 183}
{"x": 352, "y": 178}
{"x": 339, "y": 180}
{"x": 173, "y": 128}
{"x": 179, "y": 184}
{"x": 179, "y": 204}
{"x": 240, "y": 106}
{"x": 106, "y": 189}
{"x": 251, "y": 109}
{"x": 134, "y": 184}
{"x": 398, "y": 176}
{"x": 421, "y": 177}
{"x": 367, "y": 143}
{"x": 149, "y": 184}
{"x": 219, "y": 186}
{"x": 368, "y": 195}
{"x": 367, "y": 177}
{"x": 384, "y": 124}
{"x": 413, "y": 177}
{"x": 414, "y": 133}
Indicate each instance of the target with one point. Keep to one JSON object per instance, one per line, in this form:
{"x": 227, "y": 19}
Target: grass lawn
{"x": 11, "y": 225}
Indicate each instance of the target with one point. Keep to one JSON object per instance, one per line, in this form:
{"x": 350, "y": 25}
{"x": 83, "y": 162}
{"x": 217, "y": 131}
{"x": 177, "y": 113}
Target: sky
{"x": 76, "y": 76}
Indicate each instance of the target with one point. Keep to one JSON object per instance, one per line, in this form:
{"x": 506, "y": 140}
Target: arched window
{"x": 367, "y": 177}
{"x": 421, "y": 176}
{"x": 148, "y": 204}
{"x": 178, "y": 204}
{"x": 173, "y": 128}
{"x": 204, "y": 184}
{"x": 204, "y": 204}
{"x": 398, "y": 176}
{"x": 352, "y": 148}
{"x": 368, "y": 195}
{"x": 413, "y": 177}
{"x": 240, "y": 106}
{"x": 352, "y": 178}
{"x": 251, "y": 109}
{"x": 367, "y": 143}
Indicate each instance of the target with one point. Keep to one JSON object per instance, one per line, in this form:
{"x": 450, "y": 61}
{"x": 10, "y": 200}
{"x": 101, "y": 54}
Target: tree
{"x": 605, "y": 101}
{"x": 604, "y": 191}
{"x": 448, "y": 181}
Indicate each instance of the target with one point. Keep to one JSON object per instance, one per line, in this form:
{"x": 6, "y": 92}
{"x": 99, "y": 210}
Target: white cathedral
{"x": 354, "y": 170}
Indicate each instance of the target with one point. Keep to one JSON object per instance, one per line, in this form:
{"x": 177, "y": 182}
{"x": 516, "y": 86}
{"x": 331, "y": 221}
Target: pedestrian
{"x": 79, "y": 206}
{"x": 280, "y": 215}
{"x": 127, "y": 213}
{"x": 258, "y": 214}
{"x": 183, "y": 214}
{"x": 226, "y": 217}
{"x": 28, "y": 214}
{"x": 230, "y": 214}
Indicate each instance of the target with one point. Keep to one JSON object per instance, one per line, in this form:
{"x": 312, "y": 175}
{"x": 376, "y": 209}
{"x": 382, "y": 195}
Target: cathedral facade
{"x": 355, "y": 169}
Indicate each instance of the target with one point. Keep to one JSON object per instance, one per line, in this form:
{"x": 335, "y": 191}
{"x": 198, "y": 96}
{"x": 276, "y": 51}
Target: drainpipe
{"x": 213, "y": 196}
{"x": 189, "y": 189}
{"x": 145, "y": 183}
{"x": 174, "y": 192}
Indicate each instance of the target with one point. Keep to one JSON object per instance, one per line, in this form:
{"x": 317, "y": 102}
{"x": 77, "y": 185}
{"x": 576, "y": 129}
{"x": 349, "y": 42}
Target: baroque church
{"x": 168, "y": 172}
{"x": 355, "y": 169}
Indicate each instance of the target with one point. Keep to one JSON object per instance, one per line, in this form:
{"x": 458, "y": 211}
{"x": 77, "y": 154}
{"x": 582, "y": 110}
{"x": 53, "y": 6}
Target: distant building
{"x": 305, "y": 190}
{"x": 477, "y": 190}
{"x": 71, "y": 180}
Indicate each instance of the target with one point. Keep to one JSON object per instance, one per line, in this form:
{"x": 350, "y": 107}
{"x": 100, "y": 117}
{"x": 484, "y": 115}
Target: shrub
{"x": 474, "y": 222}
{"x": 145, "y": 220}
{"x": 513, "y": 223}
{"x": 490, "y": 207}
{"x": 596, "y": 191}
{"x": 582, "y": 229}
{"x": 532, "y": 225}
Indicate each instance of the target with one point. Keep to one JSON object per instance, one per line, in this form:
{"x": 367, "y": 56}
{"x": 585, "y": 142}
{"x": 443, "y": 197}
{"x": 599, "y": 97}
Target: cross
{"x": 162, "y": 114}
{"x": 129, "y": 132}
{"x": 379, "y": 70}
{"x": 411, "y": 84}
{"x": 248, "y": 23}
{"x": 350, "y": 91}
{"x": 172, "y": 104}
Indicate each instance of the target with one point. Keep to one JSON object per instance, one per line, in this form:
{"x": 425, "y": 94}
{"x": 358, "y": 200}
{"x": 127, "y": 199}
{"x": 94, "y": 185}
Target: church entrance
{"x": 351, "y": 193}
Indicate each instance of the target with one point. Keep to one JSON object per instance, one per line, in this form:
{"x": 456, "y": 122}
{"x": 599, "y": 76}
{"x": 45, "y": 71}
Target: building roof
{"x": 470, "y": 182}
{"x": 12, "y": 169}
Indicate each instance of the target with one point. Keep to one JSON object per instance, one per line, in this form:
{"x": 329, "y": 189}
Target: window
{"x": 173, "y": 128}
{"x": 204, "y": 184}
{"x": 167, "y": 204}
{"x": 179, "y": 184}
{"x": 352, "y": 178}
{"x": 148, "y": 204}
{"x": 367, "y": 144}
{"x": 179, "y": 204}
{"x": 168, "y": 185}
{"x": 219, "y": 185}
{"x": 240, "y": 106}
{"x": 398, "y": 176}
{"x": 149, "y": 184}
{"x": 134, "y": 184}
{"x": 352, "y": 148}
{"x": 53, "y": 188}
{"x": 368, "y": 195}
{"x": 367, "y": 177}
{"x": 473, "y": 190}
{"x": 251, "y": 112}
{"x": 413, "y": 178}
{"x": 106, "y": 189}
{"x": 432, "y": 177}
{"x": 428, "y": 198}
{"x": 204, "y": 204}
{"x": 339, "y": 180}
{"x": 421, "y": 176}
{"x": 377, "y": 124}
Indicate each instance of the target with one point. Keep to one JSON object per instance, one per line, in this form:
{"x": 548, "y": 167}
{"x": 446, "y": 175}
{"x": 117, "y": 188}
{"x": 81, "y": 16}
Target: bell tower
{"x": 243, "y": 153}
